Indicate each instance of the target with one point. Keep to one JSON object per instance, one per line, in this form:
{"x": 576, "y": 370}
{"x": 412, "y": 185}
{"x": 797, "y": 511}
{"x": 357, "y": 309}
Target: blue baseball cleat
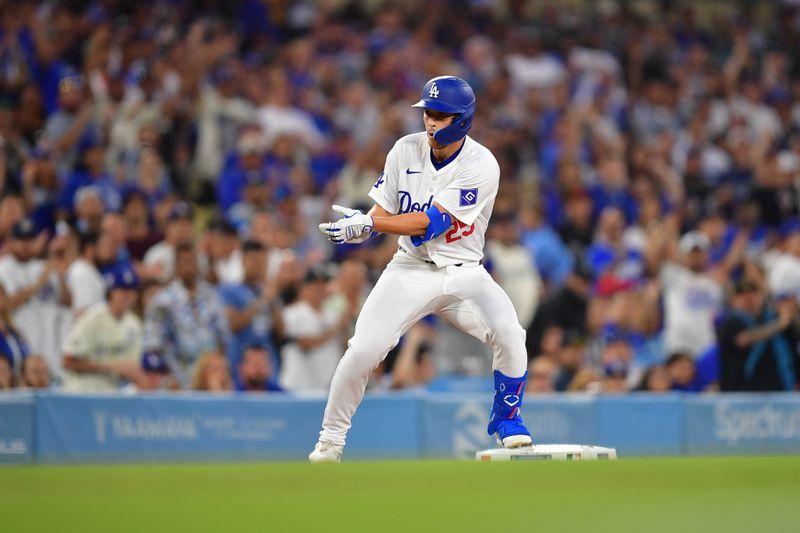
{"x": 505, "y": 421}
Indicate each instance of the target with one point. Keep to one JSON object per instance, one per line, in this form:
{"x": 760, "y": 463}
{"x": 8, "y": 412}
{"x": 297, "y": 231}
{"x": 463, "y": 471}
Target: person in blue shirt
{"x": 255, "y": 370}
{"x": 251, "y": 306}
{"x": 92, "y": 173}
{"x": 553, "y": 259}
{"x": 12, "y": 343}
{"x": 250, "y": 156}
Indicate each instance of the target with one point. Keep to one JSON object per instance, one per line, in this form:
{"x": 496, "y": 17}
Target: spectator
{"x": 141, "y": 236}
{"x": 93, "y": 174}
{"x": 72, "y": 120}
{"x": 6, "y": 375}
{"x": 104, "y": 349}
{"x": 758, "y": 345}
{"x": 609, "y": 253}
{"x": 350, "y": 290}
{"x": 513, "y": 266}
{"x": 570, "y": 358}
{"x": 12, "y": 209}
{"x": 692, "y": 292}
{"x": 315, "y": 337}
{"x": 34, "y": 373}
{"x": 35, "y": 290}
{"x": 185, "y": 319}
{"x": 88, "y": 207}
{"x": 248, "y": 160}
{"x": 576, "y": 231}
{"x": 85, "y": 283}
{"x": 655, "y": 379}
{"x": 615, "y": 377}
{"x": 255, "y": 371}
{"x": 211, "y": 373}
{"x": 223, "y": 250}
{"x": 414, "y": 366}
{"x": 179, "y": 232}
{"x": 542, "y": 374}
{"x": 41, "y": 188}
{"x": 252, "y": 307}
{"x": 13, "y": 346}
{"x": 553, "y": 260}
{"x": 784, "y": 274}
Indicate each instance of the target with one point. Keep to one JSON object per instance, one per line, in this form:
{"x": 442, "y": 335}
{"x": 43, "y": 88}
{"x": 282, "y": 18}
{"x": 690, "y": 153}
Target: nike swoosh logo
{"x": 409, "y": 171}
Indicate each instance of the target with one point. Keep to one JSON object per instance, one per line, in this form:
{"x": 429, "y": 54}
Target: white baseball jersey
{"x": 466, "y": 187}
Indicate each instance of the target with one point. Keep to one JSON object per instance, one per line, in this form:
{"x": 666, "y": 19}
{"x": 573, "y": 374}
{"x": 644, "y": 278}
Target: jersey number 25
{"x": 456, "y": 232}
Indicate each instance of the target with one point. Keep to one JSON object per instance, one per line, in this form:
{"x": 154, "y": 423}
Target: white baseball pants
{"x": 408, "y": 290}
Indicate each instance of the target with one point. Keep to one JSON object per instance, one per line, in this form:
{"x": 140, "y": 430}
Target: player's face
{"x": 434, "y": 121}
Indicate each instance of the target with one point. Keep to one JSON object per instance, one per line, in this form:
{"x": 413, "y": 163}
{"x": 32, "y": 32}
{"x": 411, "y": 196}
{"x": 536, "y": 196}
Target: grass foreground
{"x": 752, "y": 494}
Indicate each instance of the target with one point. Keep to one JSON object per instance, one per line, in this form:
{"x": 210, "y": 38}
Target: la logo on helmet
{"x": 434, "y": 92}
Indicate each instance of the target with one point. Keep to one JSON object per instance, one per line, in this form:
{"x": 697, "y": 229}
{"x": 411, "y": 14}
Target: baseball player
{"x": 436, "y": 192}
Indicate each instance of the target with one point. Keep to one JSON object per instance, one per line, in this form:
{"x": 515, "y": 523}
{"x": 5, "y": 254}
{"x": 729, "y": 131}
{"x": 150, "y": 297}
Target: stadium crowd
{"x": 164, "y": 166}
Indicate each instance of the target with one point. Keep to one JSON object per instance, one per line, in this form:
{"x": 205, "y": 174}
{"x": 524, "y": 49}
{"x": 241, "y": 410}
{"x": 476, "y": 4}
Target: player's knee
{"x": 509, "y": 335}
{"x": 366, "y": 354}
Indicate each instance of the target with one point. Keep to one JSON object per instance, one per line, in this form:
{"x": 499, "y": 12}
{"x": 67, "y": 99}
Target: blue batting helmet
{"x": 449, "y": 94}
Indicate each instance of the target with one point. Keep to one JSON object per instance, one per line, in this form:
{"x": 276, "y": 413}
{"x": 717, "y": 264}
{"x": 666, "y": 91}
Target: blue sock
{"x": 505, "y": 418}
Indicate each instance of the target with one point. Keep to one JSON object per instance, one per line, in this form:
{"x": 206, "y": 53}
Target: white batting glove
{"x": 354, "y": 228}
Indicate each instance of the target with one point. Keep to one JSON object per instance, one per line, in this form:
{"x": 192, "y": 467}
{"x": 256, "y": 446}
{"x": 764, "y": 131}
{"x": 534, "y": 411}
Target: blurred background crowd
{"x": 164, "y": 165}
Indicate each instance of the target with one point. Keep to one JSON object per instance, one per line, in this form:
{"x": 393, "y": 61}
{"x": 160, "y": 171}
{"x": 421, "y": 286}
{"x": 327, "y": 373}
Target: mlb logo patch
{"x": 468, "y": 197}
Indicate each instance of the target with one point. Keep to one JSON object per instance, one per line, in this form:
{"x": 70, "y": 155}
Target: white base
{"x": 551, "y": 452}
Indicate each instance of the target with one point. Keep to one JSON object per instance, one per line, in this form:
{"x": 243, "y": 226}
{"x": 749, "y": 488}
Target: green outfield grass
{"x": 760, "y": 495}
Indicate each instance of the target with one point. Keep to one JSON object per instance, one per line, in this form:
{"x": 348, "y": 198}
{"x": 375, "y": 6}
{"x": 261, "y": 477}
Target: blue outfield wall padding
{"x": 202, "y": 427}
{"x": 735, "y": 424}
{"x": 61, "y": 428}
{"x": 17, "y": 428}
{"x": 641, "y": 423}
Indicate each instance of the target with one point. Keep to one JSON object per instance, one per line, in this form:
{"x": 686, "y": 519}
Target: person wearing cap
{"x": 758, "y": 344}
{"x": 692, "y": 289}
{"x": 179, "y": 231}
{"x": 104, "y": 348}
{"x": 251, "y": 149}
{"x": 91, "y": 173}
{"x": 36, "y": 290}
{"x": 316, "y": 337}
{"x": 185, "y": 319}
{"x": 73, "y": 119}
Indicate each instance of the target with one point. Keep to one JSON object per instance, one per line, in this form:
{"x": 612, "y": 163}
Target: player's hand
{"x": 355, "y": 227}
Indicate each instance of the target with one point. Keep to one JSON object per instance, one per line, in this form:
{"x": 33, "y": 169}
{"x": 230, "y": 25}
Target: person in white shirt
{"x": 316, "y": 337}
{"x": 103, "y": 352}
{"x": 223, "y": 252}
{"x": 36, "y": 291}
{"x": 179, "y": 230}
{"x": 513, "y": 266}
{"x": 693, "y": 291}
{"x": 784, "y": 273}
{"x": 85, "y": 283}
